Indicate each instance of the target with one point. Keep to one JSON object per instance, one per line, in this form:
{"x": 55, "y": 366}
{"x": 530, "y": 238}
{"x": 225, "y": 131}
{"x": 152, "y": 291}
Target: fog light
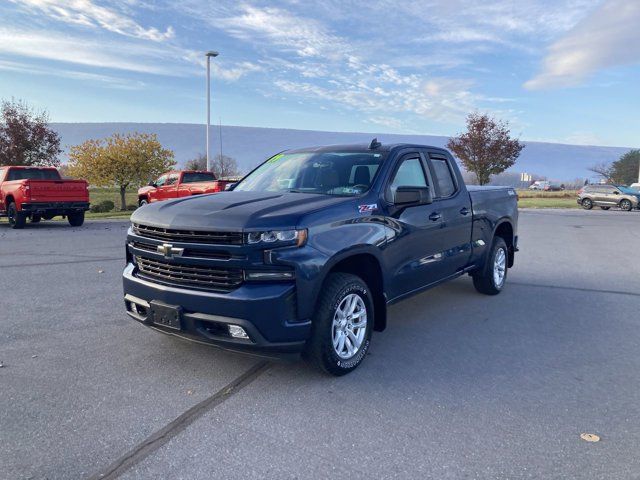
{"x": 236, "y": 331}
{"x": 269, "y": 275}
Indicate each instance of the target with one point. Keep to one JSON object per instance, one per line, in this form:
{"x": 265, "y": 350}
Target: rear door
{"x": 414, "y": 252}
{"x": 453, "y": 202}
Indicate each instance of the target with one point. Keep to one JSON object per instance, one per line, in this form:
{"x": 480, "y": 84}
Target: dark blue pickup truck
{"x": 306, "y": 252}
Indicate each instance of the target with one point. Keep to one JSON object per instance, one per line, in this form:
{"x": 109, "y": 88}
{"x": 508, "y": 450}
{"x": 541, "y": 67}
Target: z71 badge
{"x": 367, "y": 208}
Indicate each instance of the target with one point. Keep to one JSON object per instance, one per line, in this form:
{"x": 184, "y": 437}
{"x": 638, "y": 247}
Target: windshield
{"x": 329, "y": 173}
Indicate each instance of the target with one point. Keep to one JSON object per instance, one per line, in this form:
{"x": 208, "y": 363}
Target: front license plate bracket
{"x": 163, "y": 315}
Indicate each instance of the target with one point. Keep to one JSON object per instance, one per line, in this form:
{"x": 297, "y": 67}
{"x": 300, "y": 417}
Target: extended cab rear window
{"x": 197, "y": 177}
{"x": 33, "y": 174}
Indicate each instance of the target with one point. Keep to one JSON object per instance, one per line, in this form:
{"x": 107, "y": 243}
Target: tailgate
{"x": 58, "y": 191}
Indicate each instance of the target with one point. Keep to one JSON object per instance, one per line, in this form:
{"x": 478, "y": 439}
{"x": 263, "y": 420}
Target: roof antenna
{"x": 374, "y": 144}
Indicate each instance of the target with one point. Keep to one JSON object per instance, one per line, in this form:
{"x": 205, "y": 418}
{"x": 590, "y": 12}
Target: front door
{"x": 414, "y": 252}
{"x": 170, "y": 188}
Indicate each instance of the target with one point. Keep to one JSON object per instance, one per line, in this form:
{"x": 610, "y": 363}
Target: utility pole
{"x": 209, "y": 55}
{"x": 220, "y": 135}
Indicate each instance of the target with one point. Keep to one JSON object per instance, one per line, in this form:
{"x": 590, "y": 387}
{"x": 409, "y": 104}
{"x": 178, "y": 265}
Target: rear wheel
{"x": 76, "y": 219}
{"x": 142, "y": 202}
{"x": 35, "y": 218}
{"x": 493, "y": 276}
{"x": 342, "y": 325}
{"x": 16, "y": 219}
{"x": 626, "y": 205}
{"x": 605, "y": 208}
{"x": 587, "y": 204}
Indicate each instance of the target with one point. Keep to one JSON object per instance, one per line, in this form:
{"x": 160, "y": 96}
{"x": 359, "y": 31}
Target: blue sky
{"x": 560, "y": 70}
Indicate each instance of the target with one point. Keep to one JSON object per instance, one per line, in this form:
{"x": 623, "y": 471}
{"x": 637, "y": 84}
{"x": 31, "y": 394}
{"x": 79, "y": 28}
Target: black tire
{"x": 35, "y": 218}
{"x": 142, "y": 202}
{"x": 587, "y": 203}
{"x": 605, "y": 208}
{"x": 626, "y": 205}
{"x": 320, "y": 350}
{"x": 484, "y": 281}
{"x": 76, "y": 219}
{"x": 17, "y": 219}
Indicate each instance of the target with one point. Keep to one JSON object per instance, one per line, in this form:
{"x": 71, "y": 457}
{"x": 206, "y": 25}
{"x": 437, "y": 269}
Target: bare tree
{"x": 603, "y": 170}
{"x": 486, "y": 148}
{"x": 197, "y": 163}
{"x": 223, "y": 166}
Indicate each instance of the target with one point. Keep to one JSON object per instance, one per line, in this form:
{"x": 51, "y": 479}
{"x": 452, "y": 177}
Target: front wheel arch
{"x": 365, "y": 265}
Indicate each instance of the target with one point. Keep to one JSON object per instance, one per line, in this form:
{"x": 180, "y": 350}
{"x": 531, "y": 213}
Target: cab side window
{"x": 443, "y": 177}
{"x": 160, "y": 181}
{"x": 172, "y": 179}
{"x": 409, "y": 174}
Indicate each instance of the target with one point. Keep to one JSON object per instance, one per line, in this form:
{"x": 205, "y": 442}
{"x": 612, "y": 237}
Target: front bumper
{"x": 266, "y": 311}
{"x": 54, "y": 208}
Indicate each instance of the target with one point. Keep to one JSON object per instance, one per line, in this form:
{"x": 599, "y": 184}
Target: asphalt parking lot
{"x": 460, "y": 385}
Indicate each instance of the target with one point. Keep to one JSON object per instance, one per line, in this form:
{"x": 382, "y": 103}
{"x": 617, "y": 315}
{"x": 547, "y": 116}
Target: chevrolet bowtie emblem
{"x": 169, "y": 251}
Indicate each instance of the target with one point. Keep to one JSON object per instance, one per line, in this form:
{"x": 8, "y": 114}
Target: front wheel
{"x": 17, "y": 219}
{"x": 142, "y": 202}
{"x": 494, "y": 274}
{"x": 587, "y": 204}
{"x": 342, "y": 325}
{"x": 626, "y": 205}
{"x": 76, "y": 219}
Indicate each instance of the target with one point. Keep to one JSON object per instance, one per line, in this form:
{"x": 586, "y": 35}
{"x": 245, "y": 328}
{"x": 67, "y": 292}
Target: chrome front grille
{"x": 188, "y": 236}
{"x": 206, "y": 278}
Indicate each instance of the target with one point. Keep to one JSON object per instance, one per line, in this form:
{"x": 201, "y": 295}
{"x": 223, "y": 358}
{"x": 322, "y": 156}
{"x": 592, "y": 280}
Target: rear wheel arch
{"x": 367, "y": 267}
{"x": 504, "y": 230}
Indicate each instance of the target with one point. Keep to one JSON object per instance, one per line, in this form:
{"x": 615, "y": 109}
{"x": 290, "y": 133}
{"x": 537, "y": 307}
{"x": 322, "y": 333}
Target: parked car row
{"x": 607, "y": 196}
{"x": 40, "y": 193}
{"x": 545, "y": 186}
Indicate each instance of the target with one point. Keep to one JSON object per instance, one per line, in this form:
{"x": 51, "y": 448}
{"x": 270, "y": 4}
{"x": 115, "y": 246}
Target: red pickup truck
{"x": 40, "y": 193}
{"x": 180, "y": 183}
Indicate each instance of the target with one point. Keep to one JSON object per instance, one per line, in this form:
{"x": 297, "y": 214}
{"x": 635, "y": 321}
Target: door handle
{"x": 435, "y": 216}
{"x": 464, "y": 211}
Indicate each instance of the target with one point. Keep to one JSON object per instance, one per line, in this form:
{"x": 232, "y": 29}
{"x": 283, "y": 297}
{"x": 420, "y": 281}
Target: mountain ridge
{"x": 250, "y": 145}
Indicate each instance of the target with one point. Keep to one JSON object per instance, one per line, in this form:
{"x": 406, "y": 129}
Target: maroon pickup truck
{"x": 38, "y": 193}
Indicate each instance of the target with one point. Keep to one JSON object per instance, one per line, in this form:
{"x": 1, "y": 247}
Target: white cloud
{"x": 608, "y": 37}
{"x": 305, "y": 36}
{"x": 85, "y": 51}
{"x": 106, "y": 80}
{"x": 87, "y": 13}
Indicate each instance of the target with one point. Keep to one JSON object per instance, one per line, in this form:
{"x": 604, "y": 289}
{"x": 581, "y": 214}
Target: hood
{"x": 234, "y": 211}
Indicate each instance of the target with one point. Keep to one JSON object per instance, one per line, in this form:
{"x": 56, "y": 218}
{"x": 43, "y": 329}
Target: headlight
{"x": 295, "y": 237}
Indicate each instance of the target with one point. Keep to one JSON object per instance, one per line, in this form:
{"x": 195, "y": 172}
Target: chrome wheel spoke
{"x": 349, "y": 326}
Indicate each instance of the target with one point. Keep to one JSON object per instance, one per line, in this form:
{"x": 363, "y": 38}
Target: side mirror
{"x": 408, "y": 196}
{"x": 616, "y": 192}
{"x": 230, "y": 186}
{"x": 153, "y": 184}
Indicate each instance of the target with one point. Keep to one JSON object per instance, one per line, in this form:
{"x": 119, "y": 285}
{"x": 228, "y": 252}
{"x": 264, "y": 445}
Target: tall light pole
{"x": 209, "y": 55}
